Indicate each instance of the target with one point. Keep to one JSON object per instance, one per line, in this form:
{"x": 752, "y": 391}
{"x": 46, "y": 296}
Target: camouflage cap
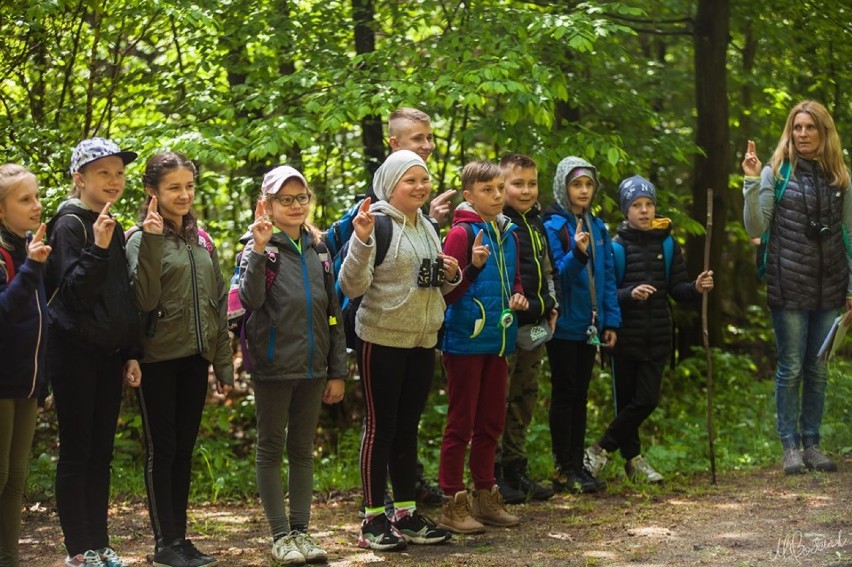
{"x": 92, "y": 149}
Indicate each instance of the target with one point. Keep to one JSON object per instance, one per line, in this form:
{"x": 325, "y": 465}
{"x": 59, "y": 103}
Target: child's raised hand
{"x": 364, "y": 221}
{"x": 518, "y": 302}
{"x": 704, "y": 281}
{"x": 642, "y": 292}
{"x": 451, "y": 266}
{"x": 153, "y": 223}
{"x": 104, "y": 227}
{"x": 37, "y": 250}
{"x": 581, "y": 238}
{"x": 751, "y": 163}
{"x": 479, "y": 251}
{"x": 439, "y": 208}
{"x": 261, "y": 228}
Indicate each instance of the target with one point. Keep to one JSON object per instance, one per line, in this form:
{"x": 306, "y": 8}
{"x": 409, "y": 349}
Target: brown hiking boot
{"x": 487, "y": 507}
{"x": 455, "y": 515}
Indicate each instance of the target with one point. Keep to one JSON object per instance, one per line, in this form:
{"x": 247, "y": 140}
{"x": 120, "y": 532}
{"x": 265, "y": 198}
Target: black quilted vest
{"x": 806, "y": 266}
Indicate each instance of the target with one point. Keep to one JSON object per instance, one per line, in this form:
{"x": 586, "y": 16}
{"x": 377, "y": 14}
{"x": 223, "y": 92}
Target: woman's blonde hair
{"x": 10, "y": 175}
{"x": 829, "y": 154}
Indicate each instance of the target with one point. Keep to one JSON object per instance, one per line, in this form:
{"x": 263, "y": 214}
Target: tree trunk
{"x": 711, "y": 38}
{"x": 371, "y": 125}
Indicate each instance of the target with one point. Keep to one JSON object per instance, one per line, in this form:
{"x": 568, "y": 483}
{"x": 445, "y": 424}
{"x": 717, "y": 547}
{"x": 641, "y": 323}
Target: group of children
{"x": 149, "y": 308}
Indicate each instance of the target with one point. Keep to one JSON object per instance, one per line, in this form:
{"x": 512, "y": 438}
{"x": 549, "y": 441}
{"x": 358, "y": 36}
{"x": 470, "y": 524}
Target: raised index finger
{"x": 260, "y": 210}
{"x": 478, "y": 240}
{"x": 39, "y": 235}
{"x": 106, "y": 208}
{"x": 365, "y": 205}
{"x": 750, "y": 148}
{"x": 579, "y": 225}
{"x": 153, "y": 205}
{"x": 444, "y": 197}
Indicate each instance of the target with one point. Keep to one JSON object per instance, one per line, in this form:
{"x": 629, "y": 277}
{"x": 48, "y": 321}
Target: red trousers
{"x": 476, "y": 390}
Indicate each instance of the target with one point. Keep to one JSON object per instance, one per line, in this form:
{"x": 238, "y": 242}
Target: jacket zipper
{"x": 817, "y": 191}
{"x": 38, "y": 345}
{"x": 534, "y": 239}
{"x": 198, "y": 338}
{"x": 309, "y": 306}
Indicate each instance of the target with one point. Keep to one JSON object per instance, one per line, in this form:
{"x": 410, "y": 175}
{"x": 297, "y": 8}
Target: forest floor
{"x": 758, "y": 517}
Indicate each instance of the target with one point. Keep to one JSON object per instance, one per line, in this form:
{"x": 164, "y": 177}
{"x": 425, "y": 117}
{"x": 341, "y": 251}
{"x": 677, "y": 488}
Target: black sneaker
{"x": 509, "y": 493}
{"x": 175, "y": 554}
{"x": 576, "y": 482}
{"x": 378, "y": 533}
{"x": 203, "y": 559}
{"x": 417, "y": 528}
{"x": 516, "y": 477}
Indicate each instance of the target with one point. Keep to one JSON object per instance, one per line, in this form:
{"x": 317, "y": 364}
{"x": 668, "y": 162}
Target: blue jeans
{"x": 798, "y": 336}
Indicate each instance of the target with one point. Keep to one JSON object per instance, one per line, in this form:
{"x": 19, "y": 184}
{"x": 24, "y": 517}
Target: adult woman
{"x": 182, "y": 294}
{"x": 808, "y": 269}
{"x": 397, "y": 324}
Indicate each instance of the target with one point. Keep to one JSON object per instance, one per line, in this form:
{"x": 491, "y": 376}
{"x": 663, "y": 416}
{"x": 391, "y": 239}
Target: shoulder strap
{"x": 383, "y": 233}
{"x": 131, "y": 231}
{"x": 10, "y": 264}
{"x": 620, "y": 261}
{"x": 208, "y": 242}
{"x": 668, "y": 254}
{"x": 846, "y": 240}
{"x": 781, "y": 184}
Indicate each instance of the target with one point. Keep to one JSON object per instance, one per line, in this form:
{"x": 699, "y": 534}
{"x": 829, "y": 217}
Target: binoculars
{"x": 431, "y": 273}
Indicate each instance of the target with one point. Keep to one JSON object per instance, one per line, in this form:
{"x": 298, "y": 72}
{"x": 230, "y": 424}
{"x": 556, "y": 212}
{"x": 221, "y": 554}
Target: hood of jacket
{"x": 560, "y": 192}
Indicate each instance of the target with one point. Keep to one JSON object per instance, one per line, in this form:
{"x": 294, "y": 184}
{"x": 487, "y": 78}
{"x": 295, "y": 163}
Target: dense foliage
{"x": 243, "y": 85}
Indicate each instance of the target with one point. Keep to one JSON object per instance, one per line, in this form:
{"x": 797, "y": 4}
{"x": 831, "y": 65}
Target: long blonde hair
{"x": 829, "y": 154}
{"x": 10, "y": 175}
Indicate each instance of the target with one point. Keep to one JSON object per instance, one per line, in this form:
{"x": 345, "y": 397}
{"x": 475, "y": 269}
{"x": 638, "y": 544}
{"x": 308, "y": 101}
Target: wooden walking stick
{"x": 706, "y": 337}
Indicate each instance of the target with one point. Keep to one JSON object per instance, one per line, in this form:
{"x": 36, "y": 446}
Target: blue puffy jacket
{"x": 575, "y": 303}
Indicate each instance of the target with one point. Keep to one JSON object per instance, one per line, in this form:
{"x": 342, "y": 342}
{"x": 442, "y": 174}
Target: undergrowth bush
{"x": 674, "y": 438}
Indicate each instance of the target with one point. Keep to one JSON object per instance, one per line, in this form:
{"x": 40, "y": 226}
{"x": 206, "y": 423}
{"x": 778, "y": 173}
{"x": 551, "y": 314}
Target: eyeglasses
{"x": 288, "y": 200}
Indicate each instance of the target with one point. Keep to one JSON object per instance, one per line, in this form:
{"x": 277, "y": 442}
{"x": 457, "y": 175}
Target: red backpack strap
{"x": 10, "y": 264}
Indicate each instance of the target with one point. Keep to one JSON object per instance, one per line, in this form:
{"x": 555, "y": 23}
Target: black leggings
{"x": 87, "y": 388}
{"x": 571, "y": 365}
{"x": 396, "y": 384}
{"x": 636, "y": 388}
{"x": 171, "y": 399}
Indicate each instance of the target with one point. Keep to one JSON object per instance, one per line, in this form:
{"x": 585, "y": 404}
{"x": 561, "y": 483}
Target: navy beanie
{"x": 634, "y": 187}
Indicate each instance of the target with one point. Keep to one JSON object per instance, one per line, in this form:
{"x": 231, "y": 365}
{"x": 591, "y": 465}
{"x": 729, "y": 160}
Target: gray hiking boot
{"x": 793, "y": 463}
{"x": 815, "y": 459}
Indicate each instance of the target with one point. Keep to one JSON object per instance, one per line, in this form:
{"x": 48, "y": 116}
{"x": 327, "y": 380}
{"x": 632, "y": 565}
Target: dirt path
{"x": 755, "y": 518}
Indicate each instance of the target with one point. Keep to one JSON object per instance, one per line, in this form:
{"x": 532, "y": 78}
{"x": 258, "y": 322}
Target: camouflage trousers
{"x": 521, "y": 397}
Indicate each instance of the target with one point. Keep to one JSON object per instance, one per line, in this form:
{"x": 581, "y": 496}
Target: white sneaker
{"x": 594, "y": 460}
{"x": 88, "y": 559}
{"x": 309, "y": 548}
{"x": 111, "y": 559}
{"x": 638, "y": 468}
{"x": 285, "y": 551}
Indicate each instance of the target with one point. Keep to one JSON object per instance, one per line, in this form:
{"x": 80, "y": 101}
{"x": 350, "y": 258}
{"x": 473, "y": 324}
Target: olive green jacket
{"x": 183, "y": 299}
